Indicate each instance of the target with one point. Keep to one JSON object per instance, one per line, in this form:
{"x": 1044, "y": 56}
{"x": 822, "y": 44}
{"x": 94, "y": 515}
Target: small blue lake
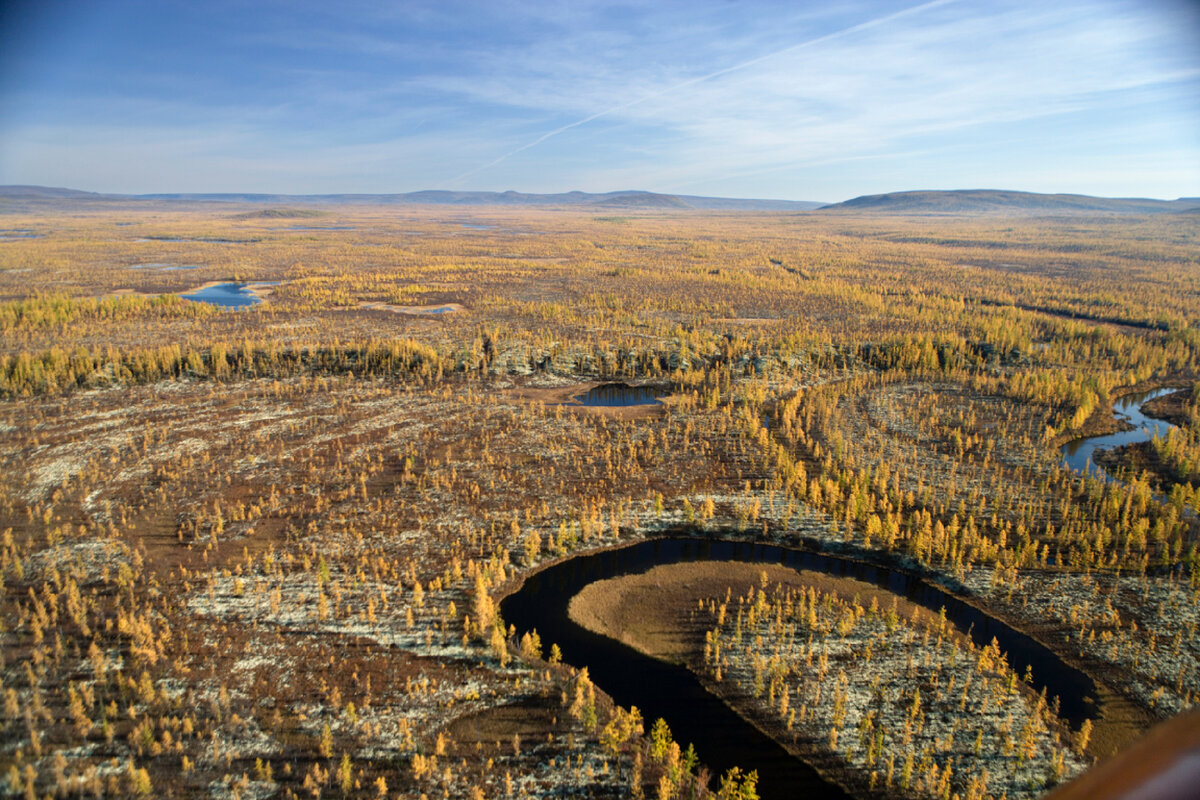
{"x": 228, "y": 295}
{"x": 620, "y": 394}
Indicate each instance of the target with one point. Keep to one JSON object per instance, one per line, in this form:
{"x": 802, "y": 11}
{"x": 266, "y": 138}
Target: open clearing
{"x": 258, "y": 553}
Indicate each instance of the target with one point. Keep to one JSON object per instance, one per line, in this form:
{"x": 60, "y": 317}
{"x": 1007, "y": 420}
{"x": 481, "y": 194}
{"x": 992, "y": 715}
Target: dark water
{"x": 619, "y": 394}
{"x": 1079, "y": 455}
{"x": 721, "y": 737}
{"x": 226, "y": 295}
{"x": 201, "y": 239}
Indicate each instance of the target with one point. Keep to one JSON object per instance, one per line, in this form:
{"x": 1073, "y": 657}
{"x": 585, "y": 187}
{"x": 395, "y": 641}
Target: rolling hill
{"x": 41, "y": 196}
{"x": 994, "y": 201}
{"x": 966, "y": 202}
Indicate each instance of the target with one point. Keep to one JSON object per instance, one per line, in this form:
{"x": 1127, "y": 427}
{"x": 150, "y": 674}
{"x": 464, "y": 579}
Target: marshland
{"x": 267, "y": 550}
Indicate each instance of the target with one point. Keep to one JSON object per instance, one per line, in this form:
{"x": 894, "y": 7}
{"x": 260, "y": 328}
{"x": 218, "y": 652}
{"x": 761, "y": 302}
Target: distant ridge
{"x": 48, "y": 193}
{"x": 995, "y": 201}
{"x": 34, "y": 196}
{"x": 964, "y": 202}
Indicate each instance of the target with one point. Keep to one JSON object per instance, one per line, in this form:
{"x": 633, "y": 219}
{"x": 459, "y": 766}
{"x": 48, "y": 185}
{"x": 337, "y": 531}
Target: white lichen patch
{"x": 242, "y": 789}
{"x": 238, "y": 739}
{"x": 48, "y": 475}
{"x": 907, "y": 707}
{"x": 1146, "y": 626}
{"x": 88, "y": 561}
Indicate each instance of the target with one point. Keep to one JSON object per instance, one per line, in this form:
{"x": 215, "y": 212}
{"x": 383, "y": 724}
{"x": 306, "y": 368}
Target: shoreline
{"x": 655, "y": 613}
{"x": 1110, "y": 702}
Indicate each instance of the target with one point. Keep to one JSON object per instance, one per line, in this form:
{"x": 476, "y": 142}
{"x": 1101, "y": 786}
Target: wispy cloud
{"x": 683, "y": 85}
{"x": 753, "y": 98}
{"x": 952, "y": 74}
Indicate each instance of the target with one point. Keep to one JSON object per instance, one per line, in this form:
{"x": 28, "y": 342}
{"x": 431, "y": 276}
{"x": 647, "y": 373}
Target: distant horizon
{"x": 604, "y": 192}
{"x": 760, "y": 99}
{"x": 1193, "y": 196}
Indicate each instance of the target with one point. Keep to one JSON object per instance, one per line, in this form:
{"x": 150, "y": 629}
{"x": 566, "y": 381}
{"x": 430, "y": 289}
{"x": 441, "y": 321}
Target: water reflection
{"x": 1079, "y": 455}
{"x": 228, "y": 295}
{"x": 620, "y": 394}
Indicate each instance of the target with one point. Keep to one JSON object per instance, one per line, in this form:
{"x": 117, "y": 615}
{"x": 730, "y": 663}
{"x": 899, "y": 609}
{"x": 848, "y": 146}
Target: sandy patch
{"x": 125, "y": 293}
{"x": 416, "y": 311}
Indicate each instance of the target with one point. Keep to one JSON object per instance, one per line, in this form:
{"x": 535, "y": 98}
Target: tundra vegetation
{"x": 923, "y": 715}
{"x": 258, "y": 552}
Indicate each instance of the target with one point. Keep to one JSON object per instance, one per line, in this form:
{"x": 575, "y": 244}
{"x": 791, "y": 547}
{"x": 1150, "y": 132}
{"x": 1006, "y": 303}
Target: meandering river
{"x": 722, "y": 738}
{"x": 1079, "y": 455}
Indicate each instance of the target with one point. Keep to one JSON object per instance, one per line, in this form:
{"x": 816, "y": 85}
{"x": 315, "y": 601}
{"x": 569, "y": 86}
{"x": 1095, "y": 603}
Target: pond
{"x": 620, "y": 394}
{"x": 228, "y": 295}
{"x": 722, "y": 738}
{"x": 200, "y": 239}
{"x": 316, "y": 228}
{"x": 1079, "y": 455}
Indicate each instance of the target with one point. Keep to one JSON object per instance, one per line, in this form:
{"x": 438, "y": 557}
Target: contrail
{"x": 862, "y": 26}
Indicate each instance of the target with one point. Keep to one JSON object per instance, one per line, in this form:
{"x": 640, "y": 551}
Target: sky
{"x": 737, "y": 98}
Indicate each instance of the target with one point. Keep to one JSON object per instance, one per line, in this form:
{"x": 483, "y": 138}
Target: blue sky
{"x": 817, "y": 101}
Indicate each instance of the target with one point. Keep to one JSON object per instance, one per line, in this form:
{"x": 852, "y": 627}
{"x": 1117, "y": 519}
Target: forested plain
{"x": 259, "y": 552}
